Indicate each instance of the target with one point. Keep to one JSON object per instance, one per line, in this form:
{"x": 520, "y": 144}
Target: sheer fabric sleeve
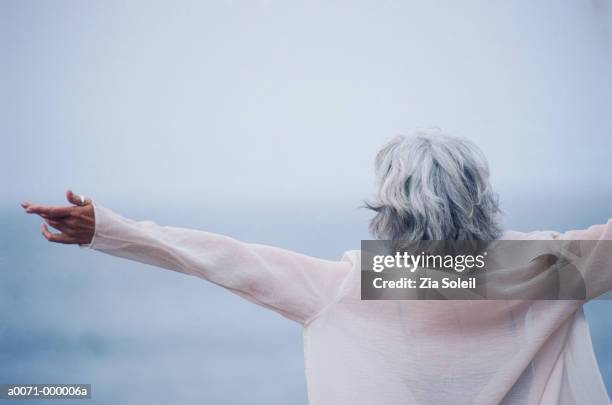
{"x": 295, "y": 285}
{"x": 591, "y": 250}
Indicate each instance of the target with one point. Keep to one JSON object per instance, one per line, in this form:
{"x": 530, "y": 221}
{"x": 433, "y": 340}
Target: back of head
{"x": 433, "y": 187}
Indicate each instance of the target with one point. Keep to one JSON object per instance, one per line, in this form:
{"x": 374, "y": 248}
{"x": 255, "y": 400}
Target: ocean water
{"x": 140, "y": 334}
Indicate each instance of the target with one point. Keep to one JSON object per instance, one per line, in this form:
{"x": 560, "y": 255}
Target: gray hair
{"x": 433, "y": 187}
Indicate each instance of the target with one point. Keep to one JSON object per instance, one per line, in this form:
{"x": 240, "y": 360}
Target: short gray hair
{"x": 433, "y": 187}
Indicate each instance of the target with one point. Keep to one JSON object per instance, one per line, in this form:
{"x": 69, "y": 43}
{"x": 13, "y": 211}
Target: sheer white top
{"x": 392, "y": 352}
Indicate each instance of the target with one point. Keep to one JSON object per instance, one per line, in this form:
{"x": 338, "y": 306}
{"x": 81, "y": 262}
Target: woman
{"x": 431, "y": 187}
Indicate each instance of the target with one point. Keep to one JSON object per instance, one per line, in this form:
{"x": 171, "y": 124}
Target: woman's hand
{"x": 76, "y": 222}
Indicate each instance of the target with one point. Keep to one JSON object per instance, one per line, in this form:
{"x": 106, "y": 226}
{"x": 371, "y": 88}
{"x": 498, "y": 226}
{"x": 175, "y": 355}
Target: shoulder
{"x": 598, "y": 231}
{"x": 352, "y": 256}
{"x": 533, "y": 235}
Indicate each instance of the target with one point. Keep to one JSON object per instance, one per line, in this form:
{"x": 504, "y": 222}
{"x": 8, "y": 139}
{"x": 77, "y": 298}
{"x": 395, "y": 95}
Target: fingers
{"x": 73, "y": 198}
{"x": 59, "y": 225}
{"x": 48, "y": 211}
{"x": 26, "y": 204}
{"x": 56, "y": 237}
{"x": 77, "y": 199}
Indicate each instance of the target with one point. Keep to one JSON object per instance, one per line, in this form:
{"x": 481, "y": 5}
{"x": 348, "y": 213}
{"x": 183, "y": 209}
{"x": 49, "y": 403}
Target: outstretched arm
{"x": 295, "y": 285}
{"x": 591, "y": 251}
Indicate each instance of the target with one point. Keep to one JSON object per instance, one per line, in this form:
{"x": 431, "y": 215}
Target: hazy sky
{"x": 273, "y": 102}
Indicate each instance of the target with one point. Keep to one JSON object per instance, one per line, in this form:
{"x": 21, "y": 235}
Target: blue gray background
{"x": 260, "y": 119}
